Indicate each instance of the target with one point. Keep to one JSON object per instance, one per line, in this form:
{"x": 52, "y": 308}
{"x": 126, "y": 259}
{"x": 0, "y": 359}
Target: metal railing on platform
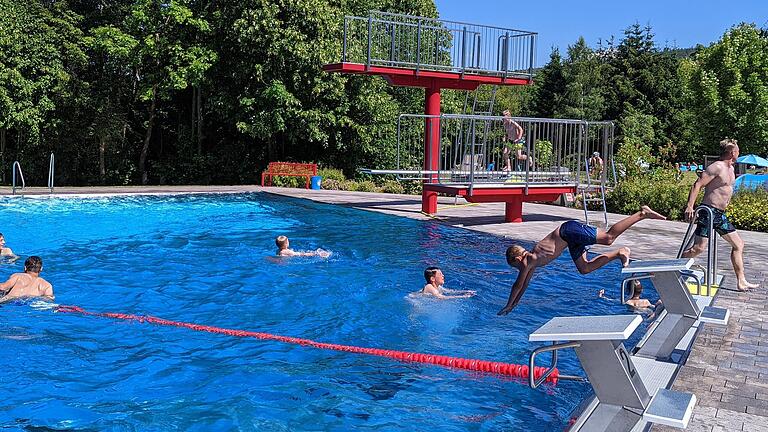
{"x": 710, "y": 272}
{"x": 404, "y": 41}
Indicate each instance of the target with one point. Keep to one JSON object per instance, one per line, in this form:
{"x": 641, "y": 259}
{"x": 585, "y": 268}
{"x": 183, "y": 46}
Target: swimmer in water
{"x": 434, "y": 287}
{"x": 6, "y": 251}
{"x": 283, "y": 249}
{"x": 27, "y": 284}
{"x": 635, "y": 302}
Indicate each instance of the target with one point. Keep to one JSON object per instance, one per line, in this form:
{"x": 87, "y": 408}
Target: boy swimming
{"x": 577, "y": 237}
{"x": 27, "y": 284}
{"x": 283, "y": 249}
{"x": 434, "y": 287}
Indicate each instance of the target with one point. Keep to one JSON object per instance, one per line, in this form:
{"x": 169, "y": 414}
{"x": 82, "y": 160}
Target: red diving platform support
{"x": 435, "y": 54}
{"x": 512, "y": 196}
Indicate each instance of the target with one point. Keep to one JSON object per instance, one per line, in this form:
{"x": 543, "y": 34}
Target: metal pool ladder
{"x": 17, "y": 167}
{"x": 710, "y": 276}
{"x": 50, "y": 173}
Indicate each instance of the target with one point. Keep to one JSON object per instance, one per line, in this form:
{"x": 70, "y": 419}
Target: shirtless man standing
{"x": 717, "y": 181}
{"x": 575, "y": 236}
{"x": 27, "y": 284}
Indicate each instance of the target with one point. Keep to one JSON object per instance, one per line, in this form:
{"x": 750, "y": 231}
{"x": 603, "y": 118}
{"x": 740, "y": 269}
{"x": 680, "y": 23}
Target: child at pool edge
{"x": 434, "y": 287}
{"x": 283, "y": 249}
{"x": 27, "y": 284}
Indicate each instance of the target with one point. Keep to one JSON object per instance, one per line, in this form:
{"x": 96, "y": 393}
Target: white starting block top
{"x": 587, "y": 328}
{"x": 657, "y": 266}
{"x": 670, "y": 408}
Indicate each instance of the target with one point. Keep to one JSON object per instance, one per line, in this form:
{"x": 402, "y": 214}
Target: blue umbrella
{"x": 753, "y": 160}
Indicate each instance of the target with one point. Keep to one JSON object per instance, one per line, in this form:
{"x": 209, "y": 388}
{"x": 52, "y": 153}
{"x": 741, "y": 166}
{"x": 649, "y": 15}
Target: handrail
{"x": 532, "y": 381}
{"x": 626, "y": 281}
{"x": 50, "y": 173}
{"x": 17, "y": 165}
{"x": 710, "y": 274}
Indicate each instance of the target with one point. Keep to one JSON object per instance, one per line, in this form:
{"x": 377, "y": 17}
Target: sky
{"x": 559, "y": 23}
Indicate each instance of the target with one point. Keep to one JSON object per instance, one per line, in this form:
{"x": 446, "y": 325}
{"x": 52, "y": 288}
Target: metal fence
{"x": 473, "y": 149}
{"x": 404, "y": 41}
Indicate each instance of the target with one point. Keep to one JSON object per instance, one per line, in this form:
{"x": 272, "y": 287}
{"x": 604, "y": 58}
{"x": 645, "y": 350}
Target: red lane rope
{"x": 507, "y": 369}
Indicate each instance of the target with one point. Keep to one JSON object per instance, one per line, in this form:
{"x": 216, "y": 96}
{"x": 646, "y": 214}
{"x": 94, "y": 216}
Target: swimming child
{"x": 27, "y": 284}
{"x": 635, "y": 301}
{"x": 577, "y": 237}
{"x": 283, "y": 249}
{"x": 434, "y": 287}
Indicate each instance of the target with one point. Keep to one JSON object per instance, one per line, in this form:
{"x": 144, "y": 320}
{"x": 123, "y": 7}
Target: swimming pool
{"x": 203, "y": 259}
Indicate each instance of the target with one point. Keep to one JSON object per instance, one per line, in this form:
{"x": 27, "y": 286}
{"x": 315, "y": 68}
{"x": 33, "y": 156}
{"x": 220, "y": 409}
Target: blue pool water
{"x": 203, "y": 259}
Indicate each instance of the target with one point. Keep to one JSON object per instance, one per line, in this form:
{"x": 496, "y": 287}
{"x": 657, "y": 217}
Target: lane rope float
{"x": 500, "y": 368}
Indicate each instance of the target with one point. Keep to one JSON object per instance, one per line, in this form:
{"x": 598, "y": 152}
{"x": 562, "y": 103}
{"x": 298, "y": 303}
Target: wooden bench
{"x": 288, "y": 169}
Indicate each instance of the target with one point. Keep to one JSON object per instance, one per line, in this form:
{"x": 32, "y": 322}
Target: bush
{"x": 290, "y": 182}
{"x": 393, "y": 187}
{"x": 749, "y": 209}
{"x": 331, "y": 174}
{"x": 330, "y": 184}
{"x": 348, "y": 185}
{"x": 543, "y": 149}
{"x": 367, "y": 186}
{"x": 658, "y": 189}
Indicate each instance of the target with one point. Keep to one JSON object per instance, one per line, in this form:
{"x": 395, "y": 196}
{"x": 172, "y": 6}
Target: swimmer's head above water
{"x": 282, "y": 242}
{"x": 33, "y": 264}
{"x": 434, "y": 276}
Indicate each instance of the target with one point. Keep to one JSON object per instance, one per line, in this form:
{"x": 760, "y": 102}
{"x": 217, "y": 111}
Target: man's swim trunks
{"x": 578, "y": 236}
{"x": 721, "y": 223}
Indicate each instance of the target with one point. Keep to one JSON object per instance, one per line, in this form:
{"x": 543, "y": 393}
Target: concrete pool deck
{"x": 727, "y": 368}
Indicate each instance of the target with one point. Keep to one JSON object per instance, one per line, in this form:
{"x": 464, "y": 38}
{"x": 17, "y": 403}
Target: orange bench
{"x": 288, "y": 169}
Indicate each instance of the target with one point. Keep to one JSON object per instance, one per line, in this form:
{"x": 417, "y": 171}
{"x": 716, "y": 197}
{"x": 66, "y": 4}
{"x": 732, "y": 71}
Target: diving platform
{"x": 398, "y": 76}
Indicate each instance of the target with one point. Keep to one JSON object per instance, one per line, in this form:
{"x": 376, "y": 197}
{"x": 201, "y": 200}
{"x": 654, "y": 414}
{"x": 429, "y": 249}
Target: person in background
{"x": 6, "y": 251}
{"x": 514, "y": 142}
{"x": 434, "y": 287}
{"x": 596, "y": 165}
{"x": 283, "y": 249}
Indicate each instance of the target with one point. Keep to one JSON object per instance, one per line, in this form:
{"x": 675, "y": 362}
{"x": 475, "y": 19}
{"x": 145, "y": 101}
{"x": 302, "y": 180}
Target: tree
{"x": 550, "y": 87}
{"x": 728, "y": 90}
{"x": 39, "y": 47}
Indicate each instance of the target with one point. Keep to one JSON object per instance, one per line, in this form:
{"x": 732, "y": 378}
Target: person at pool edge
{"x": 576, "y": 236}
{"x": 283, "y": 249}
{"x": 27, "y": 284}
{"x": 434, "y": 287}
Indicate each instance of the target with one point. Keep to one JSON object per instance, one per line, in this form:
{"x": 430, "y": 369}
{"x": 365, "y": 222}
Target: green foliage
{"x": 728, "y": 91}
{"x": 748, "y": 209}
{"x": 331, "y": 174}
{"x": 331, "y": 184}
{"x": 543, "y": 152}
{"x": 393, "y": 187}
{"x": 289, "y": 182}
{"x": 634, "y": 153}
{"x": 659, "y": 189}
{"x": 367, "y": 186}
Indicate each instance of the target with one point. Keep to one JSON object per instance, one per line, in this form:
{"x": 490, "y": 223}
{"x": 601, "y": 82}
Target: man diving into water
{"x": 576, "y": 236}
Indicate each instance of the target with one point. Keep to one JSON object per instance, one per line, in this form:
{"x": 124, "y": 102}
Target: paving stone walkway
{"x": 727, "y": 368}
